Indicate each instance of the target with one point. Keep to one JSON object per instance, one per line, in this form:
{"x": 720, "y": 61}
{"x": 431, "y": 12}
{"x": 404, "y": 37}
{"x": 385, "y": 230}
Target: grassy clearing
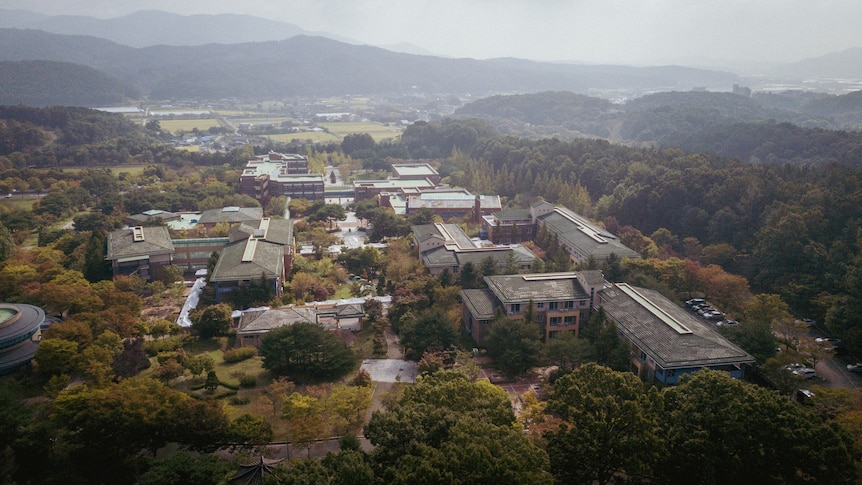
{"x": 115, "y": 169}
{"x": 188, "y": 125}
{"x": 13, "y": 203}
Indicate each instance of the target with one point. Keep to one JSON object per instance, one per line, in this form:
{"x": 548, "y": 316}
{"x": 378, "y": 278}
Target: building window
{"x": 556, "y": 321}
{"x": 540, "y": 305}
{"x": 553, "y": 305}
{"x": 569, "y": 304}
{"x": 515, "y": 308}
{"x": 570, "y": 320}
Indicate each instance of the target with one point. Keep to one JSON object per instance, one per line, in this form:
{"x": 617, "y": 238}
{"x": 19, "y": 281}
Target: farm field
{"x": 378, "y": 131}
{"x": 188, "y": 125}
{"x": 275, "y": 120}
{"x": 315, "y": 136}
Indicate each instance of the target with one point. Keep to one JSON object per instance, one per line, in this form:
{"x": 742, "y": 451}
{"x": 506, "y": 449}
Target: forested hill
{"x": 796, "y": 128}
{"x": 59, "y": 136}
{"x": 47, "y": 83}
{"x": 305, "y": 65}
{"x": 548, "y": 113}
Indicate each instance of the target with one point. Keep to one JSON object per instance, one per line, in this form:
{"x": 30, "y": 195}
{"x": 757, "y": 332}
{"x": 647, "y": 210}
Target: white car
{"x": 805, "y": 373}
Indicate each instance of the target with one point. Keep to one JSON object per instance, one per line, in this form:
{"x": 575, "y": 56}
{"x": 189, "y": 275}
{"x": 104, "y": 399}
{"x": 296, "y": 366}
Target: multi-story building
{"x": 20, "y": 332}
{"x": 453, "y": 203}
{"x": 278, "y": 174}
{"x": 369, "y": 189}
{"x": 665, "y": 340}
{"x": 144, "y": 251}
{"x": 559, "y": 301}
{"x": 415, "y": 171}
{"x": 510, "y": 226}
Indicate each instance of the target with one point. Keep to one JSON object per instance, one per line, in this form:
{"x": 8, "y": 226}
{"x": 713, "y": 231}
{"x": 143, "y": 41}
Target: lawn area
{"x": 188, "y": 125}
{"x": 115, "y": 169}
{"x": 16, "y": 203}
{"x": 378, "y": 131}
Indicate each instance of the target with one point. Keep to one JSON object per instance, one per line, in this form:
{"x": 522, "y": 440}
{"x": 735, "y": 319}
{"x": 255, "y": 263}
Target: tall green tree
{"x": 610, "y": 427}
{"x": 212, "y": 321}
{"x": 721, "y": 430}
{"x": 451, "y": 429}
{"x": 514, "y": 345}
{"x": 306, "y": 352}
{"x": 430, "y": 329}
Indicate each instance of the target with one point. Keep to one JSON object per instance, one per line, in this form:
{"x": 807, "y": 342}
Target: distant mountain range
{"x": 316, "y": 66}
{"x": 171, "y": 57}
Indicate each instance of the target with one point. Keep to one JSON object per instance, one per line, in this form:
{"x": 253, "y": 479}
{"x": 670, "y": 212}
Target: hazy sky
{"x": 693, "y": 32}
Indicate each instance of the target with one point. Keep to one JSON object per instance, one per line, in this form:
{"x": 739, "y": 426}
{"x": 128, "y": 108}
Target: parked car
{"x": 794, "y": 367}
{"x": 824, "y": 340}
{"x": 857, "y": 367}
{"x": 805, "y": 373}
{"x": 695, "y": 302}
{"x": 728, "y": 323}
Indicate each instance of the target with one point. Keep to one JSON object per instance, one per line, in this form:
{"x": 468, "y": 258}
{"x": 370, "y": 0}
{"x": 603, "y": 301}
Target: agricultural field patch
{"x": 188, "y": 125}
{"x": 314, "y": 136}
{"x": 378, "y": 131}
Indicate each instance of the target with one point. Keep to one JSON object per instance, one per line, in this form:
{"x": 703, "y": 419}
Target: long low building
{"x": 582, "y": 239}
{"x": 666, "y": 340}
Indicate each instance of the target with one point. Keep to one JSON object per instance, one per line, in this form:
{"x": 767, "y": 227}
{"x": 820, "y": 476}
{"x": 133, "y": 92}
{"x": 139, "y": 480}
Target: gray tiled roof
{"x": 545, "y": 286}
{"x": 439, "y": 256}
{"x": 593, "y": 278}
{"x": 481, "y": 303}
{"x": 279, "y": 231}
{"x": 121, "y": 243}
{"x": 672, "y": 336}
{"x": 231, "y": 215}
{"x": 424, "y": 231}
{"x": 268, "y": 259}
{"x": 513, "y": 215}
{"x": 523, "y": 256}
{"x": 450, "y": 233}
{"x": 589, "y": 239}
{"x": 266, "y": 320}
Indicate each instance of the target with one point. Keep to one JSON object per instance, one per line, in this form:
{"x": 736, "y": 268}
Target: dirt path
{"x": 394, "y": 349}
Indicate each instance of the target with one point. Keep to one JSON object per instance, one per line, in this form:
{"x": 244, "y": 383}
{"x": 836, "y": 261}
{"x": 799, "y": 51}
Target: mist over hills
{"x": 168, "y": 56}
{"x": 151, "y": 27}
{"x": 304, "y": 65}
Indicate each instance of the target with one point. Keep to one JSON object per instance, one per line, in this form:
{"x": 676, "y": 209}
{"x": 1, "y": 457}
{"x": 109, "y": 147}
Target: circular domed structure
{"x": 20, "y": 332}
